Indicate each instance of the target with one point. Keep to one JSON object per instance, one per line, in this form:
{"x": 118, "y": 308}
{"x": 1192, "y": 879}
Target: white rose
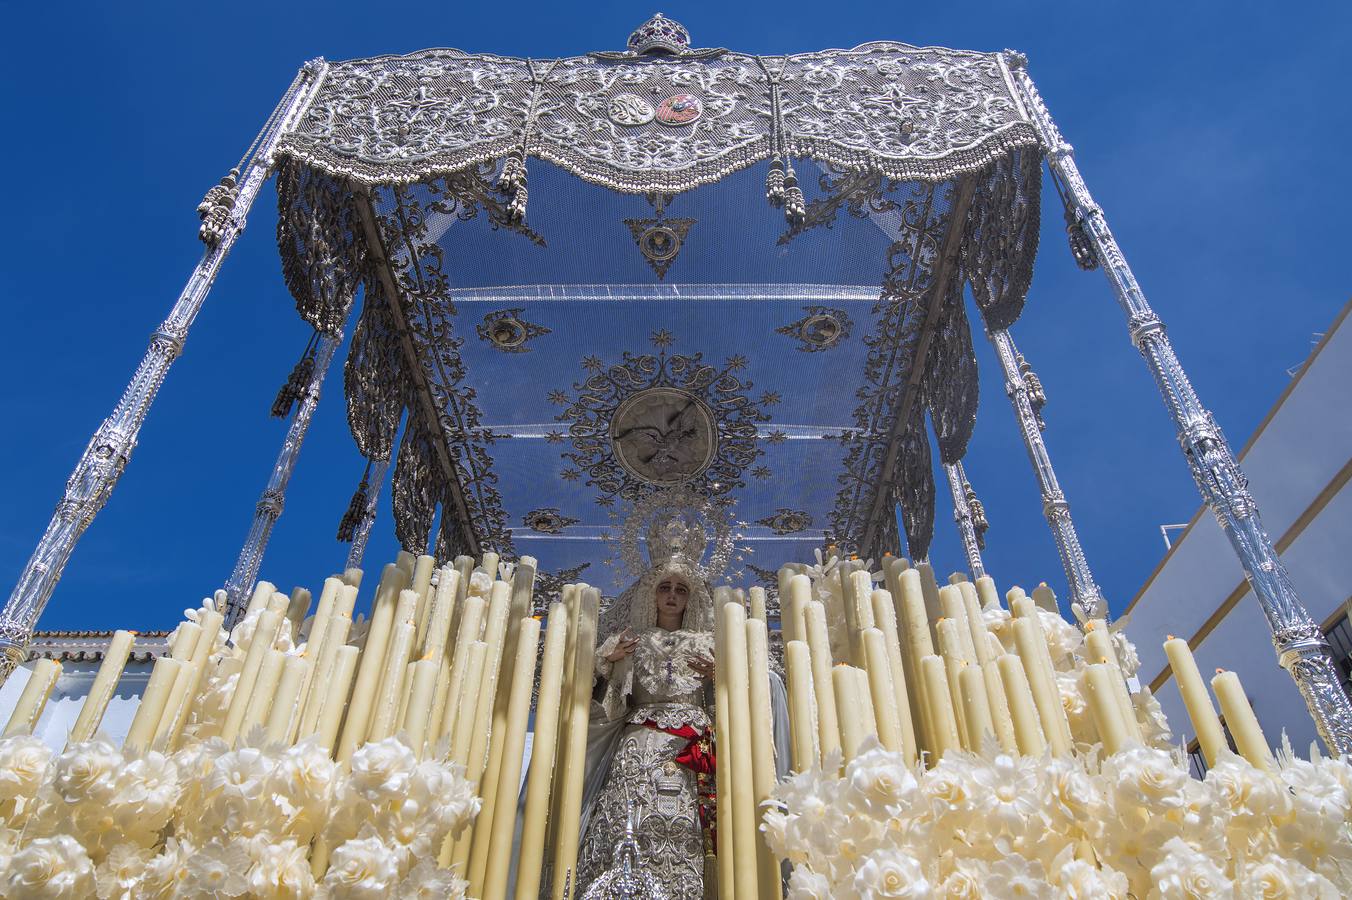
{"x": 360, "y": 869}
{"x": 1147, "y": 779}
{"x": 381, "y": 769}
{"x": 87, "y": 771}
{"x": 1080, "y": 880}
{"x": 51, "y": 867}
{"x": 428, "y": 882}
{"x": 1276, "y": 877}
{"x": 878, "y": 782}
{"x": 891, "y": 873}
{"x": 165, "y": 873}
{"x": 1246, "y": 790}
{"x": 966, "y": 881}
{"x": 1013, "y": 877}
{"x": 1185, "y": 874}
{"x": 805, "y": 884}
{"x": 281, "y": 871}
{"x": 23, "y": 764}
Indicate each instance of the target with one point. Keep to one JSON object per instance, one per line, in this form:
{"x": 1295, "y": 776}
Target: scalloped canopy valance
{"x": 922, "y": 113}
{"x": 647, "y": 320}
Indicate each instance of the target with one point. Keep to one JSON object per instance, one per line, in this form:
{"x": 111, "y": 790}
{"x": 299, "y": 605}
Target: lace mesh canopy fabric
{"x": 587, "y": 279}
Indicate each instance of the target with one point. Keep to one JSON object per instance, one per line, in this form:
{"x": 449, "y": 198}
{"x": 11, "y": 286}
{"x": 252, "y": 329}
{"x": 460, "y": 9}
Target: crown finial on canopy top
{"x": 660, "y": 35}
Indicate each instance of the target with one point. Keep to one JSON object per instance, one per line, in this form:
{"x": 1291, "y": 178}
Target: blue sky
{"x": 1214, "y": 134}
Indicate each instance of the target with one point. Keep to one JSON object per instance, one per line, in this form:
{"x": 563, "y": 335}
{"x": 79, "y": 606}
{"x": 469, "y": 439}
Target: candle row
{"x": 919, "y": 667}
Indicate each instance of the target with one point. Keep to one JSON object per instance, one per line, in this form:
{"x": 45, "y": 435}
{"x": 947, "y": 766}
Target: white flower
{"x": 218, "y": 870}
{"x": 878, "y": 782}
{"x": 480, "y": 583}
{"x": 967, "y": 881}
{"x": 87, "y": 772}
{"x": 1079, "y": 880}
{"x": 805, "y": 884}
{"x": 1015, "y": 878}
{"x": 1127, "y": 658}
{"x": 147, "y": 789}
{"x": 281, "y": 871}
{"x": 428, "y": 882}
{"x": 1248, "y": 792}
{"x": 1009, "y": 788}
{"x": 23, "y": 764}
{"x": 119, "y": 875}
{"x": 891, "y": 873}
{"x": 1185, "y": 874}
{"x": 166, "y": 873}
{"x": 51, "y": 867}
{"x": 381, "y": 769}
{"x": 1274, "y": 877}
{"x": 1147, "y": 779}
{"x": 1315, "y": 790}
{"x": 1154, "y": 726}
{"x": 362, "y": 868}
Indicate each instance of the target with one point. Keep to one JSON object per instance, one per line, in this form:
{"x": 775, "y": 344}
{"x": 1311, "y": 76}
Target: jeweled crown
{"x": 676, "y": 534}
{"x": 660, "y": 35}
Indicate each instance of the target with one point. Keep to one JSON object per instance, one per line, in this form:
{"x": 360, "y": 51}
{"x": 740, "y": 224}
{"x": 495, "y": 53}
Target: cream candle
{"x": 151, "y": 708}
{"x": 849, "y": 706}
{"x": 935, "y": 678}
{"x": 421, "y": 690}
{"x": 881, "y": 690}
{"x": 33, "y": 698}
{"x": 450, "y": 681}
{"x": 297, "y": 609}
{"x": 819, "y": 644}
{"x": 976, "y": 707}
{"x": 421, "y": 584}
{"x": 1046, "y": 696}
{"x": 1044, "y": 598}
{"x": 264, "y": 690}
{"x": 396, "y": 661}
{"x": 468, "y": 699}
{"x": 259, "y": 645}
{"x": 184, "y": 640}
{"x": 495, "y": 633}
{"x": 371, "y": 665}
{"x": 1097, "y": 683}
{"x": 336, "y": 694}
{"x": 758, "y": 603}
{"x": 976, "y": 624}
{"x": 929, "y": 587}
{"x": 1241, "y": 721}
{"x": 1022, "y": 710}
{"x": 543, "y": 756}
{"x": 1099, "y": 648}
{"x": 495, "y": 864}
{"x": 986, "y": 591}
{"x": 998, "y": 702}
{"x": 258, "y": 600}
{"x": 437, "y": 634}
{"x": 761, "y": 726}
{"x": 917, "y": 644}
{"x": 173, "y": 705}
{"x": 322, "y": 674}
{"x": 723, "y": 778}
{"x": 352, "y": 576}
{"x": 105, "y": 682}
{"x": 802, "y": 719}
{"x": 955, "y": 612}
{"x": 284, "y": 704}
{"x": 884, "y": 613}
{"x": 570, "y": 801}
{"x": 1205, "y": 723}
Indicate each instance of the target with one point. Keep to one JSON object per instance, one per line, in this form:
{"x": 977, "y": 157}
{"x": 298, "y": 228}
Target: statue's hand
{"x": 702, "y": 665}
{"x": 626, "y": 644}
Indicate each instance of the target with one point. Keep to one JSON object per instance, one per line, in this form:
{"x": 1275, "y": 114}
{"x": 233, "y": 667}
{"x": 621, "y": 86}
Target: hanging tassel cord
{"x": 1080, "y": 246}
{"x": 293, "y": 389}
{"x": 356, "y": 508}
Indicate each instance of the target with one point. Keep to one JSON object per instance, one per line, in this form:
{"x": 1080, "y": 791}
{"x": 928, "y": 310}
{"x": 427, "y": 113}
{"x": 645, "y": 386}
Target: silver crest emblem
{"x": 630, "y": 110}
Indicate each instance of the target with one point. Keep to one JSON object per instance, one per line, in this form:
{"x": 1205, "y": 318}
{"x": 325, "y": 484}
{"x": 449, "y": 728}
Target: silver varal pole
{"x": 362, "y": 533}
{"x": 270, "y": 504}
{"x": 963, "y": 518}
{"x": 1300, "y": 644}
{"x": 1084, "y": 591}
{"x": 103, "y": 460}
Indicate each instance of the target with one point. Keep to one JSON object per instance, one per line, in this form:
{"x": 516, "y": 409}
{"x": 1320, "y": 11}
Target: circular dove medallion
{"x": 629, "y": 110}
{"x": 664, "y": 435}
{"x": 681, "y": 109}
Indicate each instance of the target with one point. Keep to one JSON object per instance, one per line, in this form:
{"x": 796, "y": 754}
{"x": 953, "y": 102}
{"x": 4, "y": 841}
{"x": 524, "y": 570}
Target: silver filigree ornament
{"x": 506, "y": 330}
{"x": 787, "y": 521}
{"x": 630, "y": 110}
{"x": 821, "y": 329}
{"x": 547, "y": 520}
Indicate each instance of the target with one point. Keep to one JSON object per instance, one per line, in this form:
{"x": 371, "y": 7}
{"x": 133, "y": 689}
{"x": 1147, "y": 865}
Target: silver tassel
{"x": 513, "y": 173}
{"x": 795, "y": 207}
{"x": 216, "y": 207}
{"x": 774, "y": 183}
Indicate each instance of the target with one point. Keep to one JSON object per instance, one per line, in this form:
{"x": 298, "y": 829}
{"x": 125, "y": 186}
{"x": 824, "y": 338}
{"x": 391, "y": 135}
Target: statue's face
{"x": 673, "y": 593}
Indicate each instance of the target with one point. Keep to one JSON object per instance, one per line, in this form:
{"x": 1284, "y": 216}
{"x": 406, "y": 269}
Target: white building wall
{"x": 68, "y": 697}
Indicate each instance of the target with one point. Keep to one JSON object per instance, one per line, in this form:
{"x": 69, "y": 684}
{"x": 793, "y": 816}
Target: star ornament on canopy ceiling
{"x": 657, "y": 420}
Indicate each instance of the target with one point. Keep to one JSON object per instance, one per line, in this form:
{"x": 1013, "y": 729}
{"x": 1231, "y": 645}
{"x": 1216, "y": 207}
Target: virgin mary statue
{"x": 650, "y": 759}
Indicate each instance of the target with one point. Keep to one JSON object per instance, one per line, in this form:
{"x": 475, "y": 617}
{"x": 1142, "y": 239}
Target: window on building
{"x": 1339, "y": 635}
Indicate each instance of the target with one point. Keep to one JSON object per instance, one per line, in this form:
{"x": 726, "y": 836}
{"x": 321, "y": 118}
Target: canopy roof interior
{"x": 578, "y": 301}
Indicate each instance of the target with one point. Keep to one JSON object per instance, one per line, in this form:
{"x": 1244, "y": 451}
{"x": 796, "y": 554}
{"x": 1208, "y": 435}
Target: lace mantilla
{"x": 661, "y": 662}
{"x": 669, "y": 124}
